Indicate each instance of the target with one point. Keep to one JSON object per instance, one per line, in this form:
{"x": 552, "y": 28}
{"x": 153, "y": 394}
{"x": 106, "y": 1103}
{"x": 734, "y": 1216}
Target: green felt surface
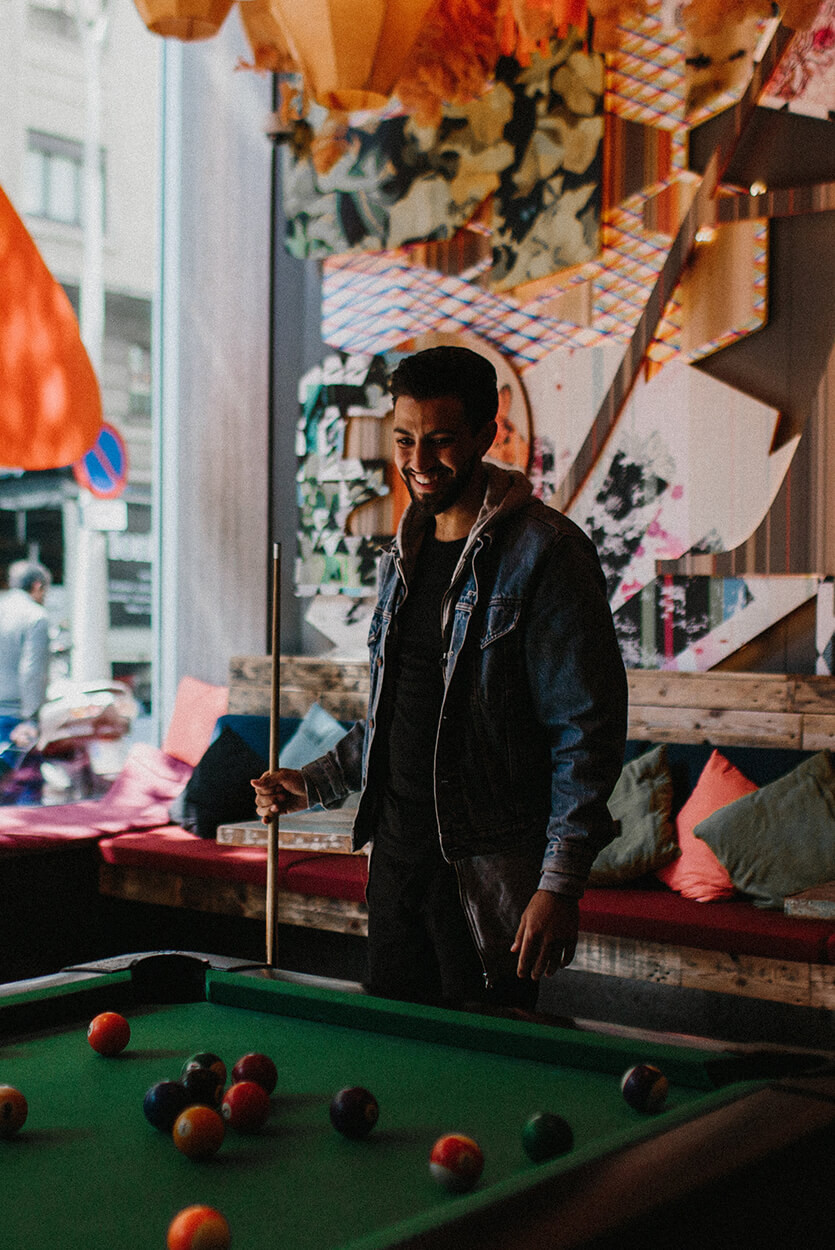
{"x": 88, "y": 1171}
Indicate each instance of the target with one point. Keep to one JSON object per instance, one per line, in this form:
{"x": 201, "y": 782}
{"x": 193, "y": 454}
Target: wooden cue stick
{"x": 272, "y": 828}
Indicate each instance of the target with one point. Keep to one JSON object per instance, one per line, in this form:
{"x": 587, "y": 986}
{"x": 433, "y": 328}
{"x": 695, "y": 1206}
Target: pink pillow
{"x": 697, "y": 873}
{"x": 196, "y": 710}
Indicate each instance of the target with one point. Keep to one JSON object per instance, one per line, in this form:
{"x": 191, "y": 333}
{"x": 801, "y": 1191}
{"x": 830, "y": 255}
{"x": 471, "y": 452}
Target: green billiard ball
{"x": 546, "y": 1135}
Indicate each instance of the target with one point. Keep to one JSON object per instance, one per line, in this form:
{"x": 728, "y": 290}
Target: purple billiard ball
{"x": 163, "y": 1103}
{"x": 354, "y": 1111}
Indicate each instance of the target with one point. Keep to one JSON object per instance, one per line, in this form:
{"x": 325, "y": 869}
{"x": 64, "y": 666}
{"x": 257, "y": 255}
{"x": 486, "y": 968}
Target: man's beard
{"x": 451, "y": 488}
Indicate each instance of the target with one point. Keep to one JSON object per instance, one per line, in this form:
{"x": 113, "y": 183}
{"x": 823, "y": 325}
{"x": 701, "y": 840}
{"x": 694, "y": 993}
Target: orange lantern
{"x": 265, "y": 37}
{"x": 351, "y": 52}
{"x": 50, "y": 405}
{"x": 184, "y": 19}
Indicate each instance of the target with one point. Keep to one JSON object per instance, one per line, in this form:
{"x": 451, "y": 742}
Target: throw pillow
{"x": 697, "y": 873}
{"x": 219, "y": 790}
{"x": 641, "y": 803}
{"x": 196, "y": 709}
{"x": 782, "y": 838}
{"x": 317, "y": 733}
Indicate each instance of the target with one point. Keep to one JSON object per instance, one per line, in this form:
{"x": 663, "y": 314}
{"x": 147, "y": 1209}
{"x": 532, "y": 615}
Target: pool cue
{"x": 272, "y": 828}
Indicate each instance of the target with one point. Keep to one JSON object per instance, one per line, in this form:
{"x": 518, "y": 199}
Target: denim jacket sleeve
{"x": 577, "y": 680}
{"x": 332, "y": 777}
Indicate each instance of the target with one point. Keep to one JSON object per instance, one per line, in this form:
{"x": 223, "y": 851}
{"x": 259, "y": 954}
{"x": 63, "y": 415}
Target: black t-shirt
{"x": 415, "y": 693}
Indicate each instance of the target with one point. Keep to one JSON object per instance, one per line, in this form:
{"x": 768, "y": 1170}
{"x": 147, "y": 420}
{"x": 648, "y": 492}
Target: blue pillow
{"x": 300, "y": 740}
{"x": 317, "y": 733}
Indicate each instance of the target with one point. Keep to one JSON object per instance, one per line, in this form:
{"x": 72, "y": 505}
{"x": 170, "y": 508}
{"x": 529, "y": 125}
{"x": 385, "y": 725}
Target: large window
{"x": 53, "y": 178}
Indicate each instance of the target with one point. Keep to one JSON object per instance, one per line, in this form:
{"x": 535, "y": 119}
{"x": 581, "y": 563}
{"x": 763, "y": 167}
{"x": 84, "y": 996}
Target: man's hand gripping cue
{"x": 279, "y": 792}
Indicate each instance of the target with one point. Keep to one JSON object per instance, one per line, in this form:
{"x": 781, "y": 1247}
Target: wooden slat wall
{"x": 752, "y": 709}
{"x": 339, "y": 686}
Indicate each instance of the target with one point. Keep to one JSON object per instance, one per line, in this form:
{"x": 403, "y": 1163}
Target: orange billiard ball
{"x": 13, "y": 1110}
{"x": 456, "y": 1162}
{"x": 198, "y": 1131}
{"x": 198, "y": 1228}
{"x": 108, "y": 1033}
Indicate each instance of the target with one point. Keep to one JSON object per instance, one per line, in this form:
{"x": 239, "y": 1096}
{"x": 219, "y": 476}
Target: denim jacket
{"x": 533, "y": 722}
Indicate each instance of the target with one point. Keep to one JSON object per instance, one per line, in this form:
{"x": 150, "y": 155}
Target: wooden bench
{"x": 723, "y": 709}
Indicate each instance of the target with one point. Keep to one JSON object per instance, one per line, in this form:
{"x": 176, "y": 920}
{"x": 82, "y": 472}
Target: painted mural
{"x": 523, "y": 160}
{"x": 665, "y": 467}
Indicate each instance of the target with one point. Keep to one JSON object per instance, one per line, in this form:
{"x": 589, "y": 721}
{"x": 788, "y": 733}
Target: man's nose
{"x": 423, "y": 456}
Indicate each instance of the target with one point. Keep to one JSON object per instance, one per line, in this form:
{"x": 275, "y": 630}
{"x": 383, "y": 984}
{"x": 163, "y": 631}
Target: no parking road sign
{"x": 103, "y": 471}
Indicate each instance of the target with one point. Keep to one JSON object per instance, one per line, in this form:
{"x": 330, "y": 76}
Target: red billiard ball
{"x": 258, "y": 1068}
{"x": 108, "y": 1033}
{"x": 456, "y": 1162}
{"x": 354, "y": 1111}
{"x": 246, "y": 1106}
{"x": 198, "y": 1132}
{"x": 198, "y": 1228}
{"x": 645, "y": 1087}
{"x": 13, "y": 1110}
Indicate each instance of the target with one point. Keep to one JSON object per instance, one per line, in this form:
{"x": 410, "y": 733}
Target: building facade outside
{"x": 43, "y": 103}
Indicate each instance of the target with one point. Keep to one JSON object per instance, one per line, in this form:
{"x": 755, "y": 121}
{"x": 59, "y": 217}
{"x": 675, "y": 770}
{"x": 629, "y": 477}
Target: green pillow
{"x": 781, "y": 838}
{"x": 641, "y": 803}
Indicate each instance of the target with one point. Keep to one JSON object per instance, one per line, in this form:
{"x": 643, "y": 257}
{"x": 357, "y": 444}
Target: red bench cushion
{"x": 174, "y": 850}
{"x": 643, "y": 913}
{"x": 735, "y": 927}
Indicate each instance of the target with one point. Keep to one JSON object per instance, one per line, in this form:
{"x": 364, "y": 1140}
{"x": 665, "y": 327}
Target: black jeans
{"x": 420, "y": 948}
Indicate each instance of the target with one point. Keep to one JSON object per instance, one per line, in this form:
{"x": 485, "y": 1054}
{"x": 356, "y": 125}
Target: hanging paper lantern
{"x": 50, "y": 405}
{"x": 351, "y": 52}
{"x": 265, "y": 37}
{"x": 184, "y": 19}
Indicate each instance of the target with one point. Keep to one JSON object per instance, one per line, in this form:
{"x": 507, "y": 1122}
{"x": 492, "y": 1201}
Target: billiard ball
{"x": 546, "y": 1135}
{"x": 644, "y": 1087}
{"x": 202, "y": 1085}
{"x": 13, "y": 1110}
{"x": 163, "y": 1102}
{"x": 198, "y": 1131}
{"x": 108, "y": 1033}
{"x": 456, "y": 1162}
{"x": 256, "y": 1067}
{"x": 354, "y": 1111}
{"x": 198, "y": 1228}
{"x": 246, "y": 1106}
{"x": 205, "y": 1059}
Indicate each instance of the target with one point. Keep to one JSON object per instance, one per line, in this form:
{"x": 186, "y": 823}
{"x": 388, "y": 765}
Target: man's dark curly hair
{"x": 458, "y": 372}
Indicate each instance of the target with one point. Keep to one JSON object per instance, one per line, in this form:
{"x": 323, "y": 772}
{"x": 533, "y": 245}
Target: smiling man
{"x": 496, "y": 719}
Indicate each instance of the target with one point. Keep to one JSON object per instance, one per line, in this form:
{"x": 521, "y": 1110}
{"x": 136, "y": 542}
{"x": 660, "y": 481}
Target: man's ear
{"x": 484, "y": 439}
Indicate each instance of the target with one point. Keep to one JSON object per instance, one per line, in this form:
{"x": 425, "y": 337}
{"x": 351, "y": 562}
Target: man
{"x": 496, "y": 718}
{"x": 24, "y": 656}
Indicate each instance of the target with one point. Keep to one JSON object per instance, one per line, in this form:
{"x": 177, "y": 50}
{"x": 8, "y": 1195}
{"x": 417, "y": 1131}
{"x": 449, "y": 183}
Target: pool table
{"x": 87, "y": 1170}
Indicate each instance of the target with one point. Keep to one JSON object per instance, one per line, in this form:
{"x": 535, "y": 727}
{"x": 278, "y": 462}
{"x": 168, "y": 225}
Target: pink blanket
{"x": 138, "y": 799}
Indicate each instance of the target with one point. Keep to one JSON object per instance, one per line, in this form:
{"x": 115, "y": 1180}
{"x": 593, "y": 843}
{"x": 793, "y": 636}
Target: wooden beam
{"x": 240, "y": 899}
{"x": 747, "y": 976}
{"x": 722, "y": 727}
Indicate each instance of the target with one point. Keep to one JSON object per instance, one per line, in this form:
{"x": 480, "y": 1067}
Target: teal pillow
{"x": 781, "y": 838}
{"x": 317, "y": 733}
{"x": 641, "y": 803}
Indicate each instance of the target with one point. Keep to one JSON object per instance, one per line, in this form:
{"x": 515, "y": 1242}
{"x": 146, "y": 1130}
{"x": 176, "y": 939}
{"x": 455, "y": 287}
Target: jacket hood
{"x": 507, "y": 491}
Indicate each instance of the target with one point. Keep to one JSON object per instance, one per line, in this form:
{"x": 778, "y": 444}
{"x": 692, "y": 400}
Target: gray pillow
{"x": 641, "y": 804}
{"x": 781, "y": 838}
